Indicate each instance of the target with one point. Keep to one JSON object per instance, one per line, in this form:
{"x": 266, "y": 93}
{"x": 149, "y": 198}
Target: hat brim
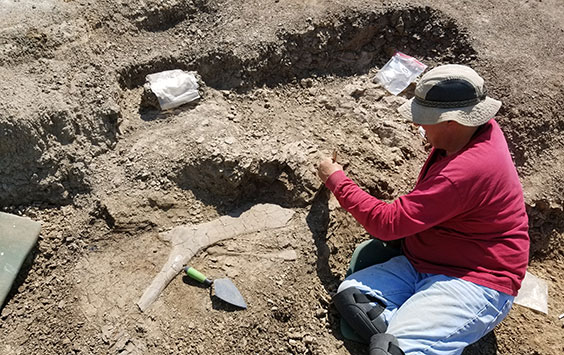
{"x": 472, "y": 116}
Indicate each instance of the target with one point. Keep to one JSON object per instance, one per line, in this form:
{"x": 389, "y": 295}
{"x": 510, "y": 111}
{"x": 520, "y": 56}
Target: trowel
{"x": 224, "y": 288}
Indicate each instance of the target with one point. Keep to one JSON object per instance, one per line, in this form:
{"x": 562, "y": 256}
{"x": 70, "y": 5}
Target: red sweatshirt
{"x": 465, "y": 217}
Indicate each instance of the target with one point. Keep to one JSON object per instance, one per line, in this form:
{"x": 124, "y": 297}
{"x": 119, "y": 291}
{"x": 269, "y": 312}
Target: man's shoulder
{"x": 485, "y": 164}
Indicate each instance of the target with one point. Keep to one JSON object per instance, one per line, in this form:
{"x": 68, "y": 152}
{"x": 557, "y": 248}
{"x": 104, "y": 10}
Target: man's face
{"x": 437, "y": 134}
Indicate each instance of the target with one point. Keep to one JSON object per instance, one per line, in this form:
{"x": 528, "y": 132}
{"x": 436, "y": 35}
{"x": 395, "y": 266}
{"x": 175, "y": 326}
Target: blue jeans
{"x": 431, "y": 313}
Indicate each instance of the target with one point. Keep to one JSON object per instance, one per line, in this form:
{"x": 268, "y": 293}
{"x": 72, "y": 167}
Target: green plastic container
{"x": 18, "y": 235}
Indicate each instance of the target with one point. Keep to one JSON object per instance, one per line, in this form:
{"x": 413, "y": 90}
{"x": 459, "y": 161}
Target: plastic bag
{"x": 422, "y": 132}
{"x": 533, "y": 293}
{"x": 173, "y": 87}
{"x": 400, "y": 71}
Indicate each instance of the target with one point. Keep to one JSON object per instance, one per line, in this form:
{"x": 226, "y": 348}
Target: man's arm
{"x": 430, "y": 203}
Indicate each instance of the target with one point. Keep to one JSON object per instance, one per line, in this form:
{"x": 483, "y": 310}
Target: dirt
{"x": 284, "y": 83}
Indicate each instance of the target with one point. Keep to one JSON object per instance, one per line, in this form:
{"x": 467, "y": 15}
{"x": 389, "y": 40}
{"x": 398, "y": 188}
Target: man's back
{"x": 483, "y": 238}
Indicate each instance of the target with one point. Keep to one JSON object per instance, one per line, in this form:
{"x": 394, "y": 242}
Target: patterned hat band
{"x": 450, "y": 104}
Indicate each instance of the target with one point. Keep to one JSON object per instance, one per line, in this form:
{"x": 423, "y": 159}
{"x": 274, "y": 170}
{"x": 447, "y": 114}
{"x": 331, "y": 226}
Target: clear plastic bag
{"x": 399, "y": 72}
{"x": 533, "y": 293}
{"x": 173, "y": 87}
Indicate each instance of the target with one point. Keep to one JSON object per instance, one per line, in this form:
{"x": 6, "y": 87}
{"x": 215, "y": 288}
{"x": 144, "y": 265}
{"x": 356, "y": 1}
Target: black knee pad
{"x": 355, "y": 308}
{"x": 384, "y": 344}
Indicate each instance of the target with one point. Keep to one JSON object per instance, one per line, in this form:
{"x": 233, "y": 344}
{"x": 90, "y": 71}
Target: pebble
{"x": 295, "y": 335}
{"x": 6, "y": 313}
{"x": 308, "y": 82}
{"x": 320, "y": 313}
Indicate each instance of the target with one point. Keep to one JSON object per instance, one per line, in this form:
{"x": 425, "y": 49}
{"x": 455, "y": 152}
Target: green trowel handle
{"x": 198, "y": 276}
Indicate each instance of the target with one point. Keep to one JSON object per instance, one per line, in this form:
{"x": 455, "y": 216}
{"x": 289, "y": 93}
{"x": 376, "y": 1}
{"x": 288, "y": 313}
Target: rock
{"x": 320, "y": 313}
{"x": 355, "y": 91}
{"x": 288, "y": 255}
{"x": 149, "y": 100}
{"x": 307, "y": 83}
{"x": 6, "y": 313}
{"x": 122, "y": 341}
{"x": 106, "y": 333}
{"x": 295, "y": 335}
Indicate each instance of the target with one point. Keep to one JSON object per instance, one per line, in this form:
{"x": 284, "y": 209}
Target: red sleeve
{"x": 433, "y": 201}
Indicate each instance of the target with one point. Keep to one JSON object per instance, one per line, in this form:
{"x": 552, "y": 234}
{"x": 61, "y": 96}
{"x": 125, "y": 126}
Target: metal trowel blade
{"x": 228, "y": 292}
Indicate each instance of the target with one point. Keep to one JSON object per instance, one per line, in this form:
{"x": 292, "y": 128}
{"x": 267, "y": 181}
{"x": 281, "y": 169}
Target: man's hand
{"x": 327, "y": 167}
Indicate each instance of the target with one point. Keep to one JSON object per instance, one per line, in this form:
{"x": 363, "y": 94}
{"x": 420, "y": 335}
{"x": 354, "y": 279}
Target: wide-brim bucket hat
{"x": 450, "y": 92}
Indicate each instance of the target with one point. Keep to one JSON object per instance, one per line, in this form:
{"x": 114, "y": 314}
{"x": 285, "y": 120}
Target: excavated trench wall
{"x": 343, "y": 45}
{"x": 45, "y": 160}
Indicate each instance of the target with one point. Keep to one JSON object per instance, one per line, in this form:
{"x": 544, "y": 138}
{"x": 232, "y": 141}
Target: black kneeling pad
{"x": 365, "y": 318}
{"x": 384, "y": 344}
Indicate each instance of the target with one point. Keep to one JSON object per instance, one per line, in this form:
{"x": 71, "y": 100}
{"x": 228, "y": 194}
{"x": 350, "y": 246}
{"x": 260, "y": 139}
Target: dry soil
{"x": 285, "y": 82}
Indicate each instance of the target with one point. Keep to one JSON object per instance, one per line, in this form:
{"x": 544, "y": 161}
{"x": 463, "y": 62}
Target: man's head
{"x": 450, "y": 93}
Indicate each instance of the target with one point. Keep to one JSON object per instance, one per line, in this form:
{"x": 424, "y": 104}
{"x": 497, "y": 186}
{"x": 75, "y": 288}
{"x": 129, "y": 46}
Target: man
{"x": 464, "y": 228}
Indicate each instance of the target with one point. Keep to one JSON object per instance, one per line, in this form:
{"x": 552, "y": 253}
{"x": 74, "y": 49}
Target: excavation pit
{"x": 286, "y": 85}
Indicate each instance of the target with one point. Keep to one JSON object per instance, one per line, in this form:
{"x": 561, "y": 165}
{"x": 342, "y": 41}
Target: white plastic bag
{"x": 173, "y": 87}
{"x": 399, "y": 72}
{"x": 533, "y": 293}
